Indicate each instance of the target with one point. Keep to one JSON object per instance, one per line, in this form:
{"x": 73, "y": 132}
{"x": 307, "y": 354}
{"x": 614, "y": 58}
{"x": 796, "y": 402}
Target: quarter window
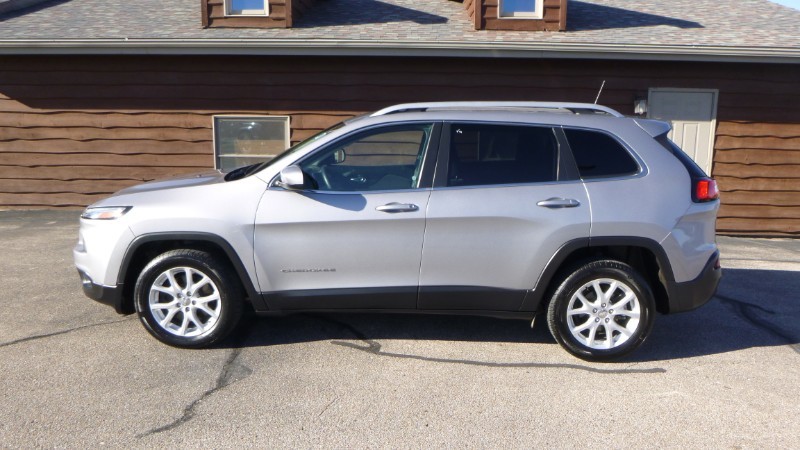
{"x": 388, "y": 158}
{"x": 244, "y": 140}
{"x": 246, "y": 7}
{"x": 501, "y": 154}
{"x": 599, "y": 155}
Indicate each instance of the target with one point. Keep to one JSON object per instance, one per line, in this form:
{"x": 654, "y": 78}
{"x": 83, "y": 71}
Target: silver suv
{"x": 506, "y": 209}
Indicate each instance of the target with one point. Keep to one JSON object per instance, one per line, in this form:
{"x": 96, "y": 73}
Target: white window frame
{"x": 286, "y": 138}
{"x": 538, "y": 12}
{"x": 229, "y": 11}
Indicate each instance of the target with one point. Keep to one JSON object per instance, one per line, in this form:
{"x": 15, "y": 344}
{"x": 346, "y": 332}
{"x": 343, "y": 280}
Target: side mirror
{"x": 292, "y": 178}
{"x": 339, "y": 156}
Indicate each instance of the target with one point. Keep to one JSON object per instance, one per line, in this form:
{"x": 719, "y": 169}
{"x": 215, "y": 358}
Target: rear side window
{"x": 599, "y": 155}
{"x": 501, "y": 154}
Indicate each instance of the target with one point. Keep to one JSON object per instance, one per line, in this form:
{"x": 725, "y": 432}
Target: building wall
{"x": 74, "y": 129}
{"x": 757, "y": 165}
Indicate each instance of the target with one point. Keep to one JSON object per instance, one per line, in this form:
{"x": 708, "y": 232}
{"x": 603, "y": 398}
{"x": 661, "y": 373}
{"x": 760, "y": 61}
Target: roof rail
{"x": 575, "y": 108}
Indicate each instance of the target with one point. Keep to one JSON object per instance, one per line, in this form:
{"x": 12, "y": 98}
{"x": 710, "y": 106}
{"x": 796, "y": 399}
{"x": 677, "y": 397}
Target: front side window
{"x": 246, "y": 7}
{"x": 501, "y": 154}
{"x": 527, "y": 9}
{"x": 244, "y": 140}
{"x": 387, "y": 158}
{"x": 599, "y": 155}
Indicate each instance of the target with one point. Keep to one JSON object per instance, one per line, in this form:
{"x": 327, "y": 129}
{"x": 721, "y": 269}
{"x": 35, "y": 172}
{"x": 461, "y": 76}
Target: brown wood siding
{"x": 757, "y": 166}
{"x": 74, "y": 129}
{"x": 553, "y": 17}
{"x": 469, "y": 6}
{"x": 213, "y": 15}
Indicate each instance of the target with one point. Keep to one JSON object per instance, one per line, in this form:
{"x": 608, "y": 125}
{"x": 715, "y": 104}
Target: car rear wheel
{"x": 601, "y": 311}
{"x": 185, "y": 298}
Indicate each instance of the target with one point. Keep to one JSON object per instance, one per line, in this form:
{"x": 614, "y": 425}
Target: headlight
{"x": 105, "y": 212}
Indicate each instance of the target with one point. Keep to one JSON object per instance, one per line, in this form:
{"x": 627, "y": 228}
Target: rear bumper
{"x": 693, "y": 294}
{"x": 107, "y": 295}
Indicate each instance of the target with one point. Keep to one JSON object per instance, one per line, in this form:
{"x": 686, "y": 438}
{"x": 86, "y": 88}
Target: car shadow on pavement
{"x": 307, "y": 327}
{"x": 752, "y": 308}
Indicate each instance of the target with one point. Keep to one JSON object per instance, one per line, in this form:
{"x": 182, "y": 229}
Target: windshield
{"x": 242, "y": 172}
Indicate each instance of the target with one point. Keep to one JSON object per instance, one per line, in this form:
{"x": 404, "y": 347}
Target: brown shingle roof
{"x": 689, "y": 23}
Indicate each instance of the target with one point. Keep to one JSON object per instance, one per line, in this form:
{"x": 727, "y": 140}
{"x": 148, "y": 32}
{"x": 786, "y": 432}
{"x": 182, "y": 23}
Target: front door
{"x": 692, "y": 113}
{"x": 353, "y": 239}
{"x": 502, "y": 205}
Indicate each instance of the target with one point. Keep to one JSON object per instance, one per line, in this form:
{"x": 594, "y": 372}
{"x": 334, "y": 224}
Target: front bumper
{"x": 693, "y": 294}
{"x": 107, "y": 295}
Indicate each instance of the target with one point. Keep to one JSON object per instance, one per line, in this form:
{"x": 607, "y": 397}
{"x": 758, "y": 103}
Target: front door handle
{"x": 556, "y": 202}
{"x": 397, "y": 207}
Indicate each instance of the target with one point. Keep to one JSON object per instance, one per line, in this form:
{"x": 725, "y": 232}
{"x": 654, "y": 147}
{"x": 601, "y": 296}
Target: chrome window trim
{"x": 508, "y": 185}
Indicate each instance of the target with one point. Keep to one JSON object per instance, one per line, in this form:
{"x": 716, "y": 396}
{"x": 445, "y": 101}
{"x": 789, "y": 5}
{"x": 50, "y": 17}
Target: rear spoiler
{"x": 654, "y": 128}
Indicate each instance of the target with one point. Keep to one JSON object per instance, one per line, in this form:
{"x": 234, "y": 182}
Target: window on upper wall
{"x": 246, "y": 7}
{"x": 520, "y": 9}
{"x": 244, "y": 140}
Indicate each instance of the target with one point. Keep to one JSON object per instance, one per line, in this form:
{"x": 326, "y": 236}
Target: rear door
{"x": 504, "y": 200}
{"x": 354, "y": 238}
{"x": 692, "y": 113}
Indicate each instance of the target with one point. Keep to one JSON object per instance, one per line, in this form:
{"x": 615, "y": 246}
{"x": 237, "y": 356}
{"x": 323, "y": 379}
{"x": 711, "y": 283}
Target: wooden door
{"x": 692, "y": 113}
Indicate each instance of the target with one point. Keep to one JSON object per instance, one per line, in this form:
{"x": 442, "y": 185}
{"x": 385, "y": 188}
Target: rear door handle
{"x": 557, "y": 202}
{"x": 397, "y": 207}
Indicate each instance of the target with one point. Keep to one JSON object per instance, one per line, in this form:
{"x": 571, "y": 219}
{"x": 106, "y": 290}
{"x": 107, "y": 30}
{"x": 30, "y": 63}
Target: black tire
{"x": 191, "y": 308}
{"x": 600, "y": 316}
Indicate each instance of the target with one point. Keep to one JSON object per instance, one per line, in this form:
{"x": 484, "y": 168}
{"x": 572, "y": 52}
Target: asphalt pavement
{"x": 74, "y": 373}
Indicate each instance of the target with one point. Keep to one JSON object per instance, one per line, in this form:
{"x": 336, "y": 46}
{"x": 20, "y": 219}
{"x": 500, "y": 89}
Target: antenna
{"x": 599, "y": 92}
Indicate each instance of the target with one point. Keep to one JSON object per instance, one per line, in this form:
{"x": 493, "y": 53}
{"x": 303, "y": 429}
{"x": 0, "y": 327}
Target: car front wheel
{"x": 186, "y": 299}
{"x": 601, "y": 311}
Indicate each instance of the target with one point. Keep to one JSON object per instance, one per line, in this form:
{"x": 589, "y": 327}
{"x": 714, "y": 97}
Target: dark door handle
{"x": 397, "y": 207}
{"x": 556, "y": 202}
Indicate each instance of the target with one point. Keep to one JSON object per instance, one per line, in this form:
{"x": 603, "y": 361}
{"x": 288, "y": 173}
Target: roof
{"x": 679, "y": 29}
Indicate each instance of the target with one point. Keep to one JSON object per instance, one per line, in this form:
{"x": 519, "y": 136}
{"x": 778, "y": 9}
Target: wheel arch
{"x": 145, "y": 247}
{"x": 645, "y": 255}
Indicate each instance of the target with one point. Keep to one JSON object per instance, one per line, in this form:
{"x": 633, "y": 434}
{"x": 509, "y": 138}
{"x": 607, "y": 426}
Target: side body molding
{"x": 533, "y": 299}
{"x": 238, "y": 267}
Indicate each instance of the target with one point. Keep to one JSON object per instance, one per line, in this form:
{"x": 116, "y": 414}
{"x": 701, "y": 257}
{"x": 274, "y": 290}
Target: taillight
{"x": 705, "y": 190}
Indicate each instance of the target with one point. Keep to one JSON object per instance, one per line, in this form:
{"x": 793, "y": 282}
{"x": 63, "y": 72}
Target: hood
{"x": 181, "y": 181}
